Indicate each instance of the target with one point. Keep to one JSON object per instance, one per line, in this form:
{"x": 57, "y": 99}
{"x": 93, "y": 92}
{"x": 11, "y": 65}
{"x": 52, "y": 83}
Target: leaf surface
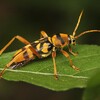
{"x": 40, "y": 71}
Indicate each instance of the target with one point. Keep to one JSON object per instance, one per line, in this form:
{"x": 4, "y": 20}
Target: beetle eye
{"x": 73, "y": 40}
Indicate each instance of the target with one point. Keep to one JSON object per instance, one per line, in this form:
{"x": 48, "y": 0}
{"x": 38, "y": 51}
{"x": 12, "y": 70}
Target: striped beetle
{"x": 44, "y": 47}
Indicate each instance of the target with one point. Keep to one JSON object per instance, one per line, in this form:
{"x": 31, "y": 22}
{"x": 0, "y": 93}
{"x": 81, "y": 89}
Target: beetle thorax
{"x": 60, "y": 40}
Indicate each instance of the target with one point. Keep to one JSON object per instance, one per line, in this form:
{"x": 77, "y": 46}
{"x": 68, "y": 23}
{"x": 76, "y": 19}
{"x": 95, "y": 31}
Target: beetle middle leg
{"x": 43, "y": 34}
{"x": 54, "y": 63}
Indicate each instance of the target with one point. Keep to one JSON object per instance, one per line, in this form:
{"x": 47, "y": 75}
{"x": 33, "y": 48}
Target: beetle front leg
{"x": 70, "y": 50}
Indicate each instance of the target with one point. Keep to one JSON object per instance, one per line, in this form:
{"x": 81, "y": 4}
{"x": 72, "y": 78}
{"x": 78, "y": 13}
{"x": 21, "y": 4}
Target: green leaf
{"x": 92, "y": 91}
{"x": 40, "y": 72}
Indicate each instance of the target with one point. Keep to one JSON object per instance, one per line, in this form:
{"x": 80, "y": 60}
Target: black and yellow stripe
{"x": 43, "y": 46}
{"x": 60, "y": 38}
{"x": 22, "y": 57}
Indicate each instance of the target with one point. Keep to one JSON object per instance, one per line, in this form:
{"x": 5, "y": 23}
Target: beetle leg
{"x": 70, "y": 61}
{"x": 1, "y": 73}
{"x": 54, "y": 63}
{"x": 34, "y": 52}
{"x": 70, "y": 50}
{"x": 16, "y": 37}
{"x": 43, "y": 34}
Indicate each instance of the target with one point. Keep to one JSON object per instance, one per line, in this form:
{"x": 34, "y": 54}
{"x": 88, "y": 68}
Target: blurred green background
{"x": 27, "y": 18}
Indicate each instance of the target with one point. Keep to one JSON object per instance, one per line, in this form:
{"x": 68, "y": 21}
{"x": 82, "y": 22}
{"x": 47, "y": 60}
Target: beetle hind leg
{"x": 21, "y": 39}
{"x": 2, "y": 72}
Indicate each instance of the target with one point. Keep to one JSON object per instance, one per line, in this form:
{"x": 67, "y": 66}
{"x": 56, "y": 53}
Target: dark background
{"x": 27, "y": 18}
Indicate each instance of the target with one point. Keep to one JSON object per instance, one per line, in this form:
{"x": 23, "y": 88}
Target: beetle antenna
{"x": 74, "y": 32}
{"x": 85, "y": 32}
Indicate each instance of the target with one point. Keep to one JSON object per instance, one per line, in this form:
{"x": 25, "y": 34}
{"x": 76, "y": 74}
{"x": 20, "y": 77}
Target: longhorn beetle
{"x": 44, "y": 47}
